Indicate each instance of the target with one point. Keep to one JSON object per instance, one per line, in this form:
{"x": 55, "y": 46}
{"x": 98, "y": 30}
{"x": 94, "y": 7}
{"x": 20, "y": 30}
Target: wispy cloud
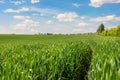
{"x": 23, "y": 9}
{"x": 19, "y": 17}
{"x": 49, "y": 22}
{"x": 37, "y": 11}
{"x": 76, "y": 5}
{"x": 84, "y": 30}
{"x": 35, "y": 1}
{"x": 44, "y": 11}
{"x": 84, "y": 27}
{"x": 16, "y": 2}
{"x": 104, "y": 19}
{"x": 36, "y": 14}
{"x": 98, "y": 3}
{"x": 82, "y": 24}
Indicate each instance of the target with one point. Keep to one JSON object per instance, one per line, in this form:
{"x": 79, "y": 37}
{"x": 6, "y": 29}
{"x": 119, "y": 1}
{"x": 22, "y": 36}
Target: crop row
{"x": 45, "y": 62}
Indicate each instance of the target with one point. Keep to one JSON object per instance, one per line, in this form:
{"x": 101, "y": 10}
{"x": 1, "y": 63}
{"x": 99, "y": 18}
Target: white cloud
{"x": 82, "y": 24}
{"x": 49, "y": 22}
{"x": 38, "y": 14}
{"x": 35, "y": 1}
{"x": 37, "y": 11}
{"x": 45, "y": 11}
{"x": 79, "y": 30}
{"x": 35, "y": 14}
{"x": 83, "y": 30}
{"x": 98, "y": 3}
{"x": 67, "y": 17}
{"x": 109, "y": 18}
{"x": 41, "y": 14}
{"x": 82, "y": 17}
{"x": 19, "y": 17}
{"x": 16, "y": 2}
{"x": 76, "y": 5}
{"x": 26, "y": 25}
{"x": 33, "y": 30}
{"x": 23, "y": 9}
{"x": 84, "y": 27}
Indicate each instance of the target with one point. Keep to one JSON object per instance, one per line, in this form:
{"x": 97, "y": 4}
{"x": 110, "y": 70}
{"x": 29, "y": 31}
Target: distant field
{"x": 59, "y": 57}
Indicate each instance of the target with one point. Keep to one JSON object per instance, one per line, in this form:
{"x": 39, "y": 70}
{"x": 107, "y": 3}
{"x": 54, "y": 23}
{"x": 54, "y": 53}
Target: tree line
{"x": 115, "y": 31}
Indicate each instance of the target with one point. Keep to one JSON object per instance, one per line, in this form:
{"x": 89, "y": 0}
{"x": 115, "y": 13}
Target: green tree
{"x": 115, "y": 31}
{"x": 100, "y": 29}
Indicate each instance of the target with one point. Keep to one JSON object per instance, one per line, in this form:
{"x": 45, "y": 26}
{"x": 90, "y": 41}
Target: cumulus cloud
{"x": 76, "y": 5}
{"x": 23, "y": 9}
{"x": 98, "y": 3}
{"x": 109, "y": 18}
{"x": 19, "y": 17}
{"x": 49, "y": 22}
{"x": 67, "y": 17}
{"x": 27, "y": 24}
{"x": 82, "y": 24}
{"x": 35, "y": 1}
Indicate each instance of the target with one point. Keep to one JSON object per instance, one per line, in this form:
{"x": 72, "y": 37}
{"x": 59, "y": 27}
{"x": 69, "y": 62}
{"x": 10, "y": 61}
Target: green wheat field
{"x": 59, "y": 57}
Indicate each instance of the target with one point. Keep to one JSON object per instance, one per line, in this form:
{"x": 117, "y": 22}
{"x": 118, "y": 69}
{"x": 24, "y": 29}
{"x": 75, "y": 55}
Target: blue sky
{"x": 57, "y": 16}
